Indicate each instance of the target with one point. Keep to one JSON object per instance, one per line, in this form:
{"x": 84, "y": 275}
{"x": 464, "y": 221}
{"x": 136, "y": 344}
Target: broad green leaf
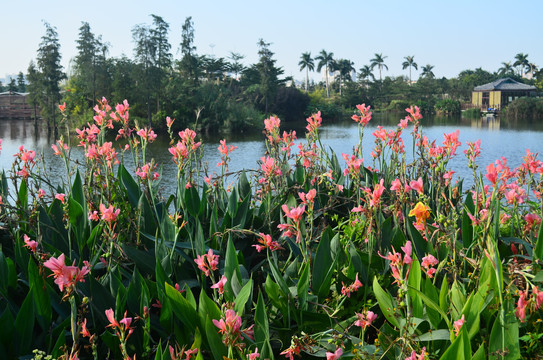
{"x": 460, "y": 349}
{"x": 458, "y": 300}
{"x": 444, "y": 295}
{"x": 538, "y": 250}
{"x": 242, "y": 297}
{"x": 441, "y": 334}
{"x": 130, "y": 186}
{"x": 386, "y": 303}
{"x": 182, "y": 308}
{"x": 42, "y": 302}
{"x": 429, "y": 302}
{"x": 214, "y": 339}
{"x": 414, "y": 282}
{"x": 504, "y": 337}
{"x": 467, "y": 226}
{"x": 303, "y": 287}
{"x": 322, "y": 273}
{"x": 24, "y": 326}
{"x": 231, "y": 266}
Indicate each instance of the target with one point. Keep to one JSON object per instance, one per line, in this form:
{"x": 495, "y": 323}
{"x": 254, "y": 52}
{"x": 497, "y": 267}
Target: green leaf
{"x": 242, "y": 297}
{"x": 431, "y": 291}
{"x": 303, "y": 287}
{"x": 441, "y": 334}
{"x": 460, "y": 349}
{"x": 480, "y": 353}
{"x": 538, "y": 251}
{"x": 214, "y": 339}
{"x": 130, "y": 186}
{"x": 467, "y": 226}
{"x": 429, "y": 302}
{"x": 42, "y": 302}
{"x": 458, "y": 300}
{"x": 182, "y": 308}
{"x": 231, "y": 266}
{"x": 419, "y": 243}
{"x": 261, "y": 330}
{"x": 504, "y": 337}
{"x": 444, "y": 295}
{"x": 24, "y": 325}
{"x": 414, "y": 281}
{"x": 386, "y": 303}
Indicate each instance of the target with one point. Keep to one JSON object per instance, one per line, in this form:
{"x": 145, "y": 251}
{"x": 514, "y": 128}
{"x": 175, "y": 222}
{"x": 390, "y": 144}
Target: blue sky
{"x": 450, "y": 35}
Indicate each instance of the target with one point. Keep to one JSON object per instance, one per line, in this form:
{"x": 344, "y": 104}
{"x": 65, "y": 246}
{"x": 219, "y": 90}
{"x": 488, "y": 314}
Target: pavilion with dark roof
{"x": 500, "y": 93}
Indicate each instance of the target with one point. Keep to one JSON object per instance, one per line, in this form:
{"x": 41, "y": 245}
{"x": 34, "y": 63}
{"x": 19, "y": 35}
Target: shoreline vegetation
{"x": 214, "y": 94}
{"x": 312, "y": 255}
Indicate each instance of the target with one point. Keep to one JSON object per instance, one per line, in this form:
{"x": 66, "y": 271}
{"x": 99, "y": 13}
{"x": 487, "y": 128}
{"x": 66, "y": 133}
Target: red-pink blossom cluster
{"x": 66, "y": 276}
{"x": 230, "y": 327}
{"x": 207, "y": 262}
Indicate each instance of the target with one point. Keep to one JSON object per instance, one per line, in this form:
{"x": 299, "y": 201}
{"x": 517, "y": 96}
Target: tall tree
{"x": 21, "y": 83}
{"x": 12, "y": 85}
{"x": 427, "y": 71}
{"x": 268, "y": 72}
{"x": 365, "y": 72}
{"x": 50, "y": 73}
{"x": 88, "y": 47}
{"x": 521, "y": 62}
{"x": 506, "y": 69}
{"x": 344, "y": 68}
{"x": 379, "y": 61}
{"x": 325, "y": 60}
{"x": 409, "y": 63}
{"x": 306, "y": 62}
{"x": 145, "y": 52}
{"x": 235, "y": 66}
{"x": 163, "y": 57}
{"x": 189, "y": 61}
{"x": 34, "y": 87}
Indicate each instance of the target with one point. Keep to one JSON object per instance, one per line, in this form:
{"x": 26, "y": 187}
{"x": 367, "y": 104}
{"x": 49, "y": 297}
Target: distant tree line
{"x": 216, "y": 93}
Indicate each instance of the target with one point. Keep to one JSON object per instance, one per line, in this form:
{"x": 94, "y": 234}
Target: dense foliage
{"x": 299, "y": 258}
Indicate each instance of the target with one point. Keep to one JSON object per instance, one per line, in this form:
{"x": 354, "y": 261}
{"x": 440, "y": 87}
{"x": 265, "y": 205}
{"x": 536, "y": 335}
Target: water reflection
{"x": 499, "y": 138}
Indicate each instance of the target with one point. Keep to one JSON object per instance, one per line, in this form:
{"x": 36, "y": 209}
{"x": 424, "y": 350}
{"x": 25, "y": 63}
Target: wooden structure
{"x": 14, "y": 105}
{"x": 498, "y": 94}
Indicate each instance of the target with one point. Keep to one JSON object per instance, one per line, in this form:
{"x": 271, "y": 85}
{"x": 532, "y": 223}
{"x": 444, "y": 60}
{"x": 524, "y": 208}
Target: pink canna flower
{"x": 414, "y": 355}
{"x": 365, "y": 320}
{"x": 207, "y": 262}
{"x": 417, "y": 185}
{"x": 230, "y": 327}
{"x": 520, "y": 312}
{"x": 295, "y": 213}
{"x": 109, "y": 214}
{"x": 335, "y": 355}
{"x": 346, "y": 290}
{"x": 314, "y": 122}
{"x": 66, "y": 276}
{"x": 61, "y": 197}
{"x": 408, "y": 250}
{"x": 169, "y": 122}
{"x": 365, "y": 115}
{"x": 226, "y": 150}
{"x": 458, "y": 324}
{"x": 538, "y": 295}
{"x": 220, "y": 284}
{"x": 254, "y": 355}
{"x": 31, "y": 244}
{"x": 266, "y": 242}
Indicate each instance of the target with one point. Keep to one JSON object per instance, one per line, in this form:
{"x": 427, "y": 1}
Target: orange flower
{"x": 421, "y": 212}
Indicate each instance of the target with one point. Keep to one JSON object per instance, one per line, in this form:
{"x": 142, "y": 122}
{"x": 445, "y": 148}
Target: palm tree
{"x": 325, "y": 59}
{"x": 365, "y": 72}
{"x": 409, "y": 63}
{"x": 507, "y": 68}
{"x": 427, "y": 71}
{"x": 379, "y": 61}
{"x": 521, "y": 62}
{"x": 533, "y": 69}
{"x": 306, "y": 63}
{"x": 344, "y": 67}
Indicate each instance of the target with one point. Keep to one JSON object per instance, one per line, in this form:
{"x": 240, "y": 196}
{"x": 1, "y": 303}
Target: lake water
{"x": 498, "y": 138}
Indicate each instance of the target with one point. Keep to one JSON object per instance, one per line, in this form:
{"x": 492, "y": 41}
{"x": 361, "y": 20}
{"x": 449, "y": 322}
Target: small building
{"x": 498, "y": 94}
{"x": 14, "y": 105}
